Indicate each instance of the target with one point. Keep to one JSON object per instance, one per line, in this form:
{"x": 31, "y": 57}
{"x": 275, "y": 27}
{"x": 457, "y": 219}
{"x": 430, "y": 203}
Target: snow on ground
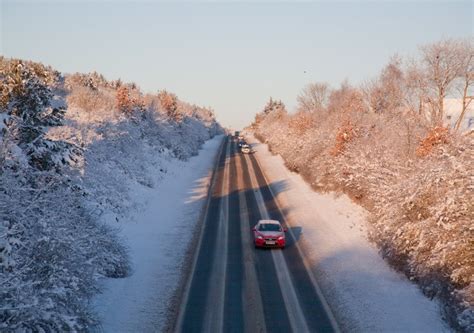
{"x": 366, "y": 295}
{"x": 157, "y": 235}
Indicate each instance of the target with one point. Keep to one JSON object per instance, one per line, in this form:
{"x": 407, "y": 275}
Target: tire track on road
{"x": 292, "y": 304}
{"x": 275, "y": 313}
{"x": 236, "y": 288}
{"x": 233, "y": 306}
{"x": 316, "y": 309}
{"x": 214, "y": 311}
{"x": 254, "y": 320}
{"x": 195, "y": 297}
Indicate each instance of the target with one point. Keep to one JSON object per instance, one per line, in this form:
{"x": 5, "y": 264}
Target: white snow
{"x": 365, "y": 294}
{"x": 157, "y": 235}
{"x": 3, "y": 117}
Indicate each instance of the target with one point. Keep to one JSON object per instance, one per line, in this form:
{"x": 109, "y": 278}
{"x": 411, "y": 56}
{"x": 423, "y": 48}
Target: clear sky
{"x": 229, "y": 55}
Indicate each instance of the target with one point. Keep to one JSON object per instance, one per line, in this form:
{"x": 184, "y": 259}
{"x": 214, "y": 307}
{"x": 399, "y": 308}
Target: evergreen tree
{"x": 25, "y": 105}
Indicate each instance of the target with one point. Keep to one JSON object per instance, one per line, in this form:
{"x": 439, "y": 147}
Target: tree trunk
{"x": 440, "y": 115}
{"x": 465, "y": 104}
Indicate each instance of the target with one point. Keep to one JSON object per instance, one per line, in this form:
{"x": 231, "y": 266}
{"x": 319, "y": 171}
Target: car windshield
{"x": 269, "y": 227}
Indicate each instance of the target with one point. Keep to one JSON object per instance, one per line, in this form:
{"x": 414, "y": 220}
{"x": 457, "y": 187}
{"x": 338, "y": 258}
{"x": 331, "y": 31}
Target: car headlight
{"x": 259, "y": 237}
{"x": 280, "y": 238}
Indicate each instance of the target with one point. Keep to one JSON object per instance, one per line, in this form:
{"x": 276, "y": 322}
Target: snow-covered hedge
{"x": 421, "y": 204}
{"x": 119, "y": 142}
{"x": 67, "y": 155}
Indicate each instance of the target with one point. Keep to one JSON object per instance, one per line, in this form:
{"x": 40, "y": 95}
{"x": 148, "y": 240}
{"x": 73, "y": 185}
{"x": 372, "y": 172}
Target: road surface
{"x": 234, "y": 287}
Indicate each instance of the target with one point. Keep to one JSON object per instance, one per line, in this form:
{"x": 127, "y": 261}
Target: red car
{"x": 269, "y": 233}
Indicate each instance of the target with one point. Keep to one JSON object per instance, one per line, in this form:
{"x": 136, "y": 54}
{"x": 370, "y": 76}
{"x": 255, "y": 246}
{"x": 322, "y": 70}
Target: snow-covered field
{"x": 366, "y": 295}
{"x": 157, "y": 234}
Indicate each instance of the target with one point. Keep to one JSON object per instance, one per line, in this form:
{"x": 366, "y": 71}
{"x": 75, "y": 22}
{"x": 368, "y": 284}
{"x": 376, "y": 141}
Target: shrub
{"x": 124, "y": 102}
{"x": 436, "y": 136}
{"x": 169, "y": 102}
{"x": 301, "y": 122}
{"x": 346, "y": 133}
{"x": 85, "y": 98}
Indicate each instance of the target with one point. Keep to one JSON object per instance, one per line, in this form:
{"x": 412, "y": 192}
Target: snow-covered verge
{"x": 157, "y": 237}
{"x": 72, "y": 150}
{"x": 365, "y": 294}
{"x": 421, "y": 206}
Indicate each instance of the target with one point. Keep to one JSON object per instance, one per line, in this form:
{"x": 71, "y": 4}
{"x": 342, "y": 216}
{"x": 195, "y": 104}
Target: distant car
{"x": 246, "y": 149}
{"x": 269, "y": 233}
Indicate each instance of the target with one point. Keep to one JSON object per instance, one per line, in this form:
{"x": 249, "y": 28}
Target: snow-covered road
{"x": 158, "y": 235}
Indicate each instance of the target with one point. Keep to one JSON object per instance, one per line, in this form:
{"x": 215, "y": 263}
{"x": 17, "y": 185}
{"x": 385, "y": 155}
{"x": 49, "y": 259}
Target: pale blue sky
{"x": 231, "y": 56}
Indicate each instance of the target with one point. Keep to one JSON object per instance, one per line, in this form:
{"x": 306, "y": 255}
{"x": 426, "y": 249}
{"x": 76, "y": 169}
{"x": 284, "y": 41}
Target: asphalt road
{"x": 234, "y": 287}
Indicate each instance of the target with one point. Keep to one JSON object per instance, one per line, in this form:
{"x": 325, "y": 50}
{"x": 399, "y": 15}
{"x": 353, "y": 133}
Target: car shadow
{"x": 293, "y": 235}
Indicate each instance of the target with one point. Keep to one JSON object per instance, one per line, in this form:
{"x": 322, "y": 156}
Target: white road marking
{"x": 292, "y": 305}
{"x": 324, "y": 303}
{"x": 254, "y": 320}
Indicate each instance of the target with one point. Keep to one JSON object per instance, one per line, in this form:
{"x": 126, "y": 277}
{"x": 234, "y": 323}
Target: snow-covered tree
{"x": 387, "y": 93}
{"x": 314, "y": 97}
{"x": 169, "y": 103}
{"x": 274, "y": 106}
{"x": 441, "y": 66}
{"x": 26, "y": 105}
